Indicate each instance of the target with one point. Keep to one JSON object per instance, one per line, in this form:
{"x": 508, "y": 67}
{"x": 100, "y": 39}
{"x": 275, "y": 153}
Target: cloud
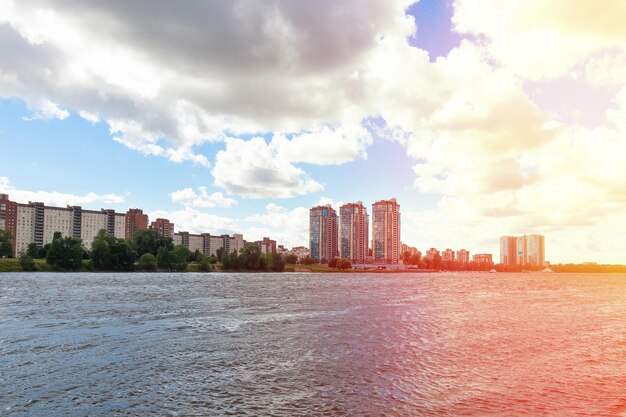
{"x": 47, "y": 111}
{"x": 195, "y": 221}
{"x": 307, "y": 77}
{"x": 324, "y": 146}
{"x": 56, "y": 198}
{"x": 539, "y": 39}
{"x": 254, "y": 169}
{"x": 90, "y": 117}
{"x": 287, "y": 227}
{"x": 201, "y": 199}
{"x": 166, "y": 80}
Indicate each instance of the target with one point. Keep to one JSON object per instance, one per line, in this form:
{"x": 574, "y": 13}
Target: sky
{"x": 482, "y": 118}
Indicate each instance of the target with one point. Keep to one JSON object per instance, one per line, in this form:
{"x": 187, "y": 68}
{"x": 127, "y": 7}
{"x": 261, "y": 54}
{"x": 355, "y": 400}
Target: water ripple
{"x": 313, "y": 344}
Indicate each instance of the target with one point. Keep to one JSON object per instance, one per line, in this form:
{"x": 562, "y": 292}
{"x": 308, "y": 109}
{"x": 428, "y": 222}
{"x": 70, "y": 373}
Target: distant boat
{"x": 547, "y": 270}
{"x": 492, "y": 271}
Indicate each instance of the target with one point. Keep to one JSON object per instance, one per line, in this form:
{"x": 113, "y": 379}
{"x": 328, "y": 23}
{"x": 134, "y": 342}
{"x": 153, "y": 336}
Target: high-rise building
{"x": 432, "y": 253}
{"x": 386, "y": 231}
{"x": 536, "y": 250}
{"x": 353, "y": 231}
{"x": 508, "y": 245}
{"x": 236, "y": 243}
{"x": 8, "y": 218}
{"x": 37, "y": 223}
{"x": 447, "y": 255}
{"x": 463, "y": 256}
{"x": 135, "y": 220}
{"x": 163, "y": 226}
{"x": 267, "y": 245}
{"x": 193, "y": 242}
{"x": 323, "y": 233}
{"x": 521, "y": 250}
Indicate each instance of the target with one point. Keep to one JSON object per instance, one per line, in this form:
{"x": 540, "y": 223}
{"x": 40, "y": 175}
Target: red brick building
{"x": 163, "y": 226}
{"x": 8, "y": 218}
{"x": 135, "y": 220}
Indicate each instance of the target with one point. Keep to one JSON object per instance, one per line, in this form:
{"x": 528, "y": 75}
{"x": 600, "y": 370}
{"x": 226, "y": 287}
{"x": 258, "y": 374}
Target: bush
{"x": 339, "y": 263}
{"x": 147, "y": 262}
{"x": 165, "y": 259}
{"x": 180, "y": 256}
{"x": 27, "y": 262}
{"x": 65, "y": 253}
{"x": 204, "y": 264}
{"x": 291, "y": 258}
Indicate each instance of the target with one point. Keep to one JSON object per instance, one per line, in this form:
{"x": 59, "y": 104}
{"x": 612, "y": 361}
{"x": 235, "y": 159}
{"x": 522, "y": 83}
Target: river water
{"x": 313, "y": 344}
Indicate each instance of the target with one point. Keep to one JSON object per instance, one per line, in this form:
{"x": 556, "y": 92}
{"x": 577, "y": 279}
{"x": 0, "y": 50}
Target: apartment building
{"x": 37, "y": 223}
{"x": 353, "y": 232}
{"x": 386, "y": 231}
{"x": 323, "y": 233}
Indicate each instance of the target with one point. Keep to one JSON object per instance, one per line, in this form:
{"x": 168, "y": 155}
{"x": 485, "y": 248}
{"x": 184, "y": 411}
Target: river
{"x": 362, "y": 344}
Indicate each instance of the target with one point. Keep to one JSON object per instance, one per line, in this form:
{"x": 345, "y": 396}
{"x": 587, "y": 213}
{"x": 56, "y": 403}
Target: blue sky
{"x": 458, "y": 111}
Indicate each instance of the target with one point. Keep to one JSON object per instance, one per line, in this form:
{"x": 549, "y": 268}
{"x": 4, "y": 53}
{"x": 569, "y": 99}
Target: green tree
{"x": 27, "y": 262}
{"x": 308, "y": 260}
{"x": 194, "y": 256}
{"x": 344, "y": 263}
{"x": 147, "y": 262}
{"x": 165, "y": 258}
{"x": 251, "y": 259}
{"x": 220, "y": 254}
{"x": 204, "y": 263}
{"x": 43, "y": 251}
{"x": 278, "y": 262}
{"x": 65, "y": 253}
{"x": 291, "y": 258}
{"x": 112, "y": 254}
{"x": 6, "y": 246}
{"x": 180, "y": 254}
{"x": 414, "y": 259}
{"x": 32, "y": 250}
{"x": 150, "y": 240}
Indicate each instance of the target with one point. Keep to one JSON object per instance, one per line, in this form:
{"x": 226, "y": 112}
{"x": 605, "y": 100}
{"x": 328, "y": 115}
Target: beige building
{"x": 508, "y": 245}
{"x": 447, "y": 255}
{"x": 463, "y": 256}
{"x": 37, "y": 223}
{"x": 432, "y": 253}
{"x": 483, "y": 258}
{"x": 25, "y": 230}
{"x": 56, "y": 219}
{"x": 523, "y": 250}
{"x": 236, "y": 243}
{"x": 209, "y": 244}
{"x": 196, "y": 243}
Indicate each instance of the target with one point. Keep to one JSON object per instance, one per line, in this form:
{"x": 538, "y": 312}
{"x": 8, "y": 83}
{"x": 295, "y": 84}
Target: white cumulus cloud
{"x": 55, "y": 198}
{"x": 254, "y": 169}
{"x": 202, "y": 198}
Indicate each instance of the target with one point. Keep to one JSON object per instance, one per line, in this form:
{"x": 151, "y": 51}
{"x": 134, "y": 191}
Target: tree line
{"x": 148, "y": 251}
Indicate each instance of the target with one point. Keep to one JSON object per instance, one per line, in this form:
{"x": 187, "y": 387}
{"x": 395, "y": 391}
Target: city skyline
{"x": 307, "y": 104}
{"x": 330, "y": 235}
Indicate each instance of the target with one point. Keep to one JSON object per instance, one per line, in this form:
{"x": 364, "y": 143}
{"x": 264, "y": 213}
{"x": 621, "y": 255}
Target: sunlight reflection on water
{"x": 313, "y": 344}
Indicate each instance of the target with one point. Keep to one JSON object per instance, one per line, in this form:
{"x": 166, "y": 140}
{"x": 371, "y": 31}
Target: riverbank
{"x": 13, "y": 265}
